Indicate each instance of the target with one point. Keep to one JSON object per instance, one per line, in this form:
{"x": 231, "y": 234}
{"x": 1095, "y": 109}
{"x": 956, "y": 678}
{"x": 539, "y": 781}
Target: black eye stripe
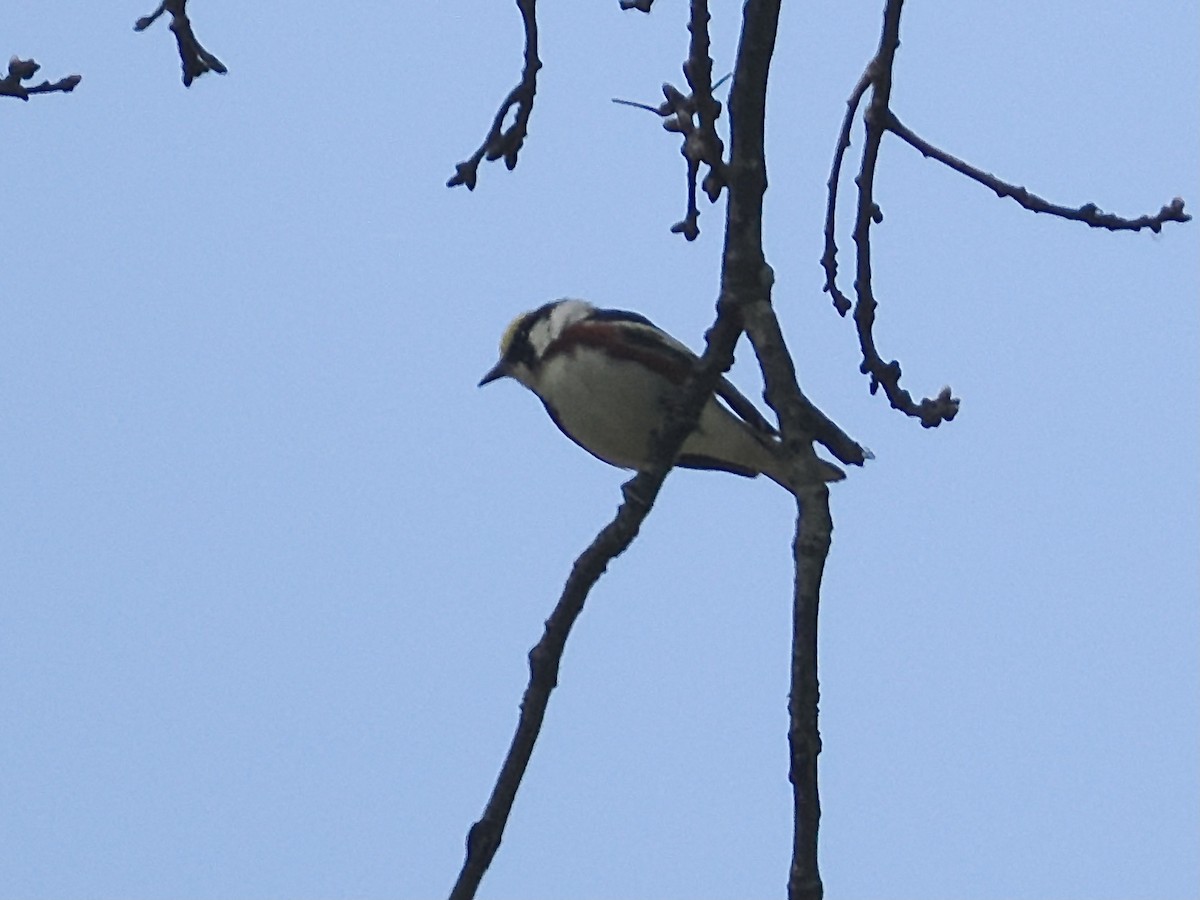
{"x": 521, "y": 350}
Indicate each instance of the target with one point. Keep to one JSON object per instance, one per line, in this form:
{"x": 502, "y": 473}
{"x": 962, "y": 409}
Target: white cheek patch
{"x": 563, "y": 315}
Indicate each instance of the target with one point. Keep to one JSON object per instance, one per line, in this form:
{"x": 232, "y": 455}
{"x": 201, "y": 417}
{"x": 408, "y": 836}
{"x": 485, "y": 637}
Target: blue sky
{"x": 272, "y": 564}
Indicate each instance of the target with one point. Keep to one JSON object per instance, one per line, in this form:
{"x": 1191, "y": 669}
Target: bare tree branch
{"x": 879, "y": 119}
{"x": 639, "y": 494}
{"x": 682, "y": 108}
{"x": 193, "y": 58}
{"x": 544, "y": 660}
{"x": 931, "y": 411}
{"x": 694, "y": 116}
{"x": 501, "y": 141}
{"x": 1089, "y": 213}
{"x": 23, "y": 70}
{"x": 700, "y": 144}
{"x": 746, "y": 286}
{"x": 829, "y": 259}
{"x": 703, "y": 143}
{"x": 810, "y": 548}
{"x": 640, "y": 5}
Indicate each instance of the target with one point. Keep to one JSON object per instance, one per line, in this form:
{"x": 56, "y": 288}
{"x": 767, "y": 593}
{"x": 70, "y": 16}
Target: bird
{"x": 605, "y": 377}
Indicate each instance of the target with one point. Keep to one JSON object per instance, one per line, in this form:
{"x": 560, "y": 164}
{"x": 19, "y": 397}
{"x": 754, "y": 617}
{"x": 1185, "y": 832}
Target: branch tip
{"x": 194, "y": 59}
{"x": 500, "y": 142}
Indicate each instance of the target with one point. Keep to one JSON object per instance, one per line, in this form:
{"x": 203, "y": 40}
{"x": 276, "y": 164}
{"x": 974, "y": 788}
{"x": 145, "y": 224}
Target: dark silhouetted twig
{"x": 23, "y": 70}
{"x": 694, "y": 116}
{"x": 879, "y": 120}
{"x": 704, "y": 144}
{"x": 931, "y": 411}
{"x": 194, "y": 59}
{"x": 484, "y": 836}
{"x": 829, "y": 260}
{"x": 504, "y": 142}
{"x": 1089, "y": 213}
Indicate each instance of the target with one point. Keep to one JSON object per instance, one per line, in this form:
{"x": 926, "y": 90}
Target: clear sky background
{"x": 270, "y": 563}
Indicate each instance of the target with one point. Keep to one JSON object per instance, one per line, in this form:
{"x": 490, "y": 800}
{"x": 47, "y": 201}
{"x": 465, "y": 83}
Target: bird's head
{"x": 527, "y": 338}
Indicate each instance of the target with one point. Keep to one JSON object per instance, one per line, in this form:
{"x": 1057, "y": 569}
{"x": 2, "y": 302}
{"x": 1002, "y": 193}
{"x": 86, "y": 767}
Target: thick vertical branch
{"x": 814, "y": 531}
{"x": 746, "y": 281}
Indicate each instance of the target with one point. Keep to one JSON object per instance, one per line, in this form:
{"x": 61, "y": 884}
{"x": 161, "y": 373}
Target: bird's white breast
{"x": 609, "y": 406}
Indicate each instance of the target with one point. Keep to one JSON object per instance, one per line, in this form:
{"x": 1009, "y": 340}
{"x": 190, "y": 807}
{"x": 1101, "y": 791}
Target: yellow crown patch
{"x": 510, "y": 332}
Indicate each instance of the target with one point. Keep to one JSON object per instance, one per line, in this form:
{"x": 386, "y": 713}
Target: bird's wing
{"x": 744, "y": 408}
{"x": 647, "y": 343}
{"x": 629, "y": 336}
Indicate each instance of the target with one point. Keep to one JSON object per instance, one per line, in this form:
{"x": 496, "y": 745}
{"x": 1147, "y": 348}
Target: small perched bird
{"x": 605, "y": 375}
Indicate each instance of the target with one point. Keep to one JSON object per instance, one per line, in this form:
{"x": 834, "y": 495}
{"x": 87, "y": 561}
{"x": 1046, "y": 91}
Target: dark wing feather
{"x": 744, "y": 408}
{"x": 621, "y": 315}
{"x": 696, "y": 461}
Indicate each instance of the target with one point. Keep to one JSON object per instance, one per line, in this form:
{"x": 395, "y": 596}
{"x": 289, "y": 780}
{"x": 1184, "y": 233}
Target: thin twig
{"x": 504, "y": 142}
{"x": 879, "y": 120}
{"x": 741, "y": 283}
{"x": 23, "y": 70}
{"x": 1089, "y": 213}
{"x": 484, "y": 837}
{"x": 829, "y": 260}
{"x": 706, "y": 145}
{"x": 694, "y": 116}
{"x": 634, "y": 103}
{"x": 193, "y": 58}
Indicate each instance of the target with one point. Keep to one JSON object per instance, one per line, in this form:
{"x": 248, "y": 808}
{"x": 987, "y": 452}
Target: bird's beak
{"x": 499, "y": 370}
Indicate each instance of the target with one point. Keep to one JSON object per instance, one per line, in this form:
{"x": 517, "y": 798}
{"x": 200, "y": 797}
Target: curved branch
{"x": 879, "y": 120}
{"x": 931, "y": 411}
{"x": 1089, "y": 213}
{"x": 829, "y": 258}
{"x": 697, "y": 69}
{"x": 501, "y": 141}
{"x": 745, "y": 295}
